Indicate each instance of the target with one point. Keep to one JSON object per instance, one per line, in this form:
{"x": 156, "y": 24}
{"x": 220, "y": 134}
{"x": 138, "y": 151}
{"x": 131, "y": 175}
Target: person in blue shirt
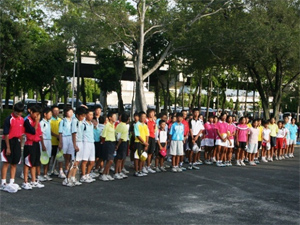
{"x": 176, "y": 137}
{"x": 65, "y": 139}
{"x": 46, "y": 144}
{"x": 77, "y": 140}
{"x": 88, "y": 160}
{"x": 293, "y": 129}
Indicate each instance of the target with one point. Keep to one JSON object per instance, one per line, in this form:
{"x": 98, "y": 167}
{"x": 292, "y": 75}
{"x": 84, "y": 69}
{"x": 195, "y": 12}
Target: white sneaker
{"x": 103, "y": 178}
{"x": 27, "y": 186}
{"x": 68, "y": 182}
{"x": 22, "y": 175}
{"x": 123, "y": 175}
{"x": 84, "y": 179}
{"x": 179, "y": 169}
{"x": 109, "y": 177}
{"x": 144, "y": 170}
{"x": 47, "y": 177}
{"x": 90, "y": 178}
{"x": 101, "y": 171}
{"x": 55, "y": 173}
{"x": 137, "y": 174}
{"x": 174, "y": 169}
{"x": 37, "y": 184}
{"x": 118, "y": 177}
{"x": 94, "y": 175}
{"x": 143, "y": 174}
{"x": 242, "y": 163}
{"x": 125, "y": 171}
{"x": 252, "y": 163}
{"x": 41, "y": 178}
{"x": 157, "y": 170}
{"x": 283, "y": 157}
{"x": 190, "y": 167}
{"x": 112, "y": 169}
{"x": 214, "y": 160}
{"x": 16, "y": 186}
{"x": 195, "y": 167}
{"x": 286, "y": 156}
{"x": 61, "y": 175}
{"x": 279, "y": 158}
{"x": 238, "y": 163}
{"x": 8, "y": 188}
{"x": 76, "y": 182}
{"x": 264, "y": 159}
{"x": 163, "y": 169}
{"x": 151, "y": 170}
{"x": 276, "y": 158}
{"x": 49, "y": 173}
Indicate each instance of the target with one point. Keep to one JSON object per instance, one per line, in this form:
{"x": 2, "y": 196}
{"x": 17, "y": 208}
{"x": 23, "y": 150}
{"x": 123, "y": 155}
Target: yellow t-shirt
{"x": 109, "y": 132}
{"x": 54, "y": 123}
{"x": 249, "y": 125}
{"x": 274, "y": 129}
{"x": 260, "y": 129}
{"x": 122, "y": 131}
{"x": 141, "y": 130}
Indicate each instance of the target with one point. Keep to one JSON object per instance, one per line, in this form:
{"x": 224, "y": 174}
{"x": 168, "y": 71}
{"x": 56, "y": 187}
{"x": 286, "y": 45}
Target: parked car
{"x": 10, "y": 103}
{"x": 92, "y": 105}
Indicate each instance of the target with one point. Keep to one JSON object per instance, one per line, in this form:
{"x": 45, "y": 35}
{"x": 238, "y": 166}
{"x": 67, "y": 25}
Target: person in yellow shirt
{"x": 122, "y": 137}
{"x": 260, "y": 129}
{"x": 109, "y": 146}
{"x": 54, "y": 123}
{"x": 274, "y": 129}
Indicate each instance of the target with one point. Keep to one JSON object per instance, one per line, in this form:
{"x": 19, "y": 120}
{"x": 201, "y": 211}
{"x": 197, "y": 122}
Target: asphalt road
{"x": 266, "y": 194}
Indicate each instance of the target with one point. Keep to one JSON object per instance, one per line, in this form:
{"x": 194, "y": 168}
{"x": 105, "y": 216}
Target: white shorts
{"x": 209, "y": 142}
{"x": 48, "y": 145}
{"x": 203, "y": 143}
{"x": 67, "y": 146}
{"x": 252, "y": 148}
{"x": 221, "y": 143}
{"x": 232, "y": 143}
{"x": 88, "y": 151}
{"x": 291, "y": 141}
{"x": 79, "y": 154}
{"x": 176, "y": 148}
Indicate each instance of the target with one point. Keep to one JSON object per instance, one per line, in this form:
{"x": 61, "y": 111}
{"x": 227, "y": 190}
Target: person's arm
{"x": 6, "y": 134}
{"x": 247, "y": 134}
{"x": 43, "y": 144}
{"x": 237, "y": 137}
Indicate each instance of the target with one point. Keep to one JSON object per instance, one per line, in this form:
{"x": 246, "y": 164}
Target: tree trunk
{"x": 175, "y": 93}
{"x": 65, "y": 91}
{"x": 140, "y": 99}
{"x": 237, "y": 102}
{"x": 78, "y": 76}
{"x": 200, "y": 91}
{"x": 120, "y": 101}
{"x": 246, "y": 98}
{"x": 105, "y": 103}
{"x": 42, "y": 94}
{"x": 194, "y": 97}
{"x": 157, "y": 105}
{"x": 209, "y": 89}
{"x": 7, "y": 91}
{"x": 223, "y": 99}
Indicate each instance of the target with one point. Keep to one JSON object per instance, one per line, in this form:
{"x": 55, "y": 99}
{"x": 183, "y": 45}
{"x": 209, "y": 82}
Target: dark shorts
{"x": 98, "y": 147}
{"x": 54, "y": 150}
{"x": 32, "y": 154}
{"x": 139, "y": 148}
{"x": 151, "y": 147}
{"x": 242, "y": 145}
{"x": 15, "y": 149}
{"x": 109, "y": 150}
{"x": 259, "y": 145}
{"x": 273, "y": 141}
{"x": 122, "y": 151}
{"x": 157, "y": 149}
{"x": 190, "y": 140}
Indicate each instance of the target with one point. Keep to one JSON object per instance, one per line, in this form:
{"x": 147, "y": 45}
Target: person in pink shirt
{"x": 230, "y": 146}
{"x": 221, "y": 139}
{"x": 253, "y": 142}
{"x": 241, "y": 141}
{"x": 216, "y": 119}
{"x": 209, "y": 139}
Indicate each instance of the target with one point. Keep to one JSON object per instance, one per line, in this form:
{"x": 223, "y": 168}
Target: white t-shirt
{"x": 266, "y": 134}
{"x": 161, "y": 135}
{"x": 281, "y": 133}
{"x": 196, "y": 126}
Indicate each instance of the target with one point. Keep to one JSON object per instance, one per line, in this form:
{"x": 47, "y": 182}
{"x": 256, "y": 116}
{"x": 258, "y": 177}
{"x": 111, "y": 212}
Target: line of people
{"x": 87, "y": 140}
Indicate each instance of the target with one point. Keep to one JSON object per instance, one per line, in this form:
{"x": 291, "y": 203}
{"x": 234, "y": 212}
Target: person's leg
{"x": 38, "y": 170}
{"x": 136, "y": 165}
{"x": 83, "y": 167}
{"x": 4, "y": 170}
{"x": 161, "y": 160}
{"x": 218, "y": 150}
{"x": 177, "y": 160}
{"x": 107, "y": 167}
{"x": 33, "y": 173}
{"x": 90, "y": 167}
{"x": 173, "y": 161}
{"x": 67, "y": 161}
{"x": 149, "y": 159}
{"x": 25, "y": 171}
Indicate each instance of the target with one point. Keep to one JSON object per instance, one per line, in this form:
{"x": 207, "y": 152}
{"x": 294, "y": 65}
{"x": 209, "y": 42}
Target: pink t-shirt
{"x": 243, "y": 131}
{"x": 253, "y": 135}
{"x": 213, "y": 125}
{"x": 210, "y": 131}
{"x": 222, "y": 127}
{"x": 231, "y": 129}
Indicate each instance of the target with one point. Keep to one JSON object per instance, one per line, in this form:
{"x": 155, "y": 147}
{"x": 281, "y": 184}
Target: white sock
{"x": 11, "y": 181}
{"x": 3, "y": 181}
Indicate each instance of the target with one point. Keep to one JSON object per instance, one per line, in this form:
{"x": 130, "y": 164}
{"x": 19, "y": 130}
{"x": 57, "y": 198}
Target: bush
{"x": 3, "y": 115}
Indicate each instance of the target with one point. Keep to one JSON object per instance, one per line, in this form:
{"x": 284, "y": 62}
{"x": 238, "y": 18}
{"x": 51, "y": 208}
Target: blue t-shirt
{"x": 77, "y": 127}
{"x": 97, "y": 134}
{"x": 65, "y": 127}
{"x": 46, "y": 129}
{"x": 177, "y": 132}
{"x": 88, "y": 132}
{"x": 286, "y": 126}
{"x": 293, "y": 131}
